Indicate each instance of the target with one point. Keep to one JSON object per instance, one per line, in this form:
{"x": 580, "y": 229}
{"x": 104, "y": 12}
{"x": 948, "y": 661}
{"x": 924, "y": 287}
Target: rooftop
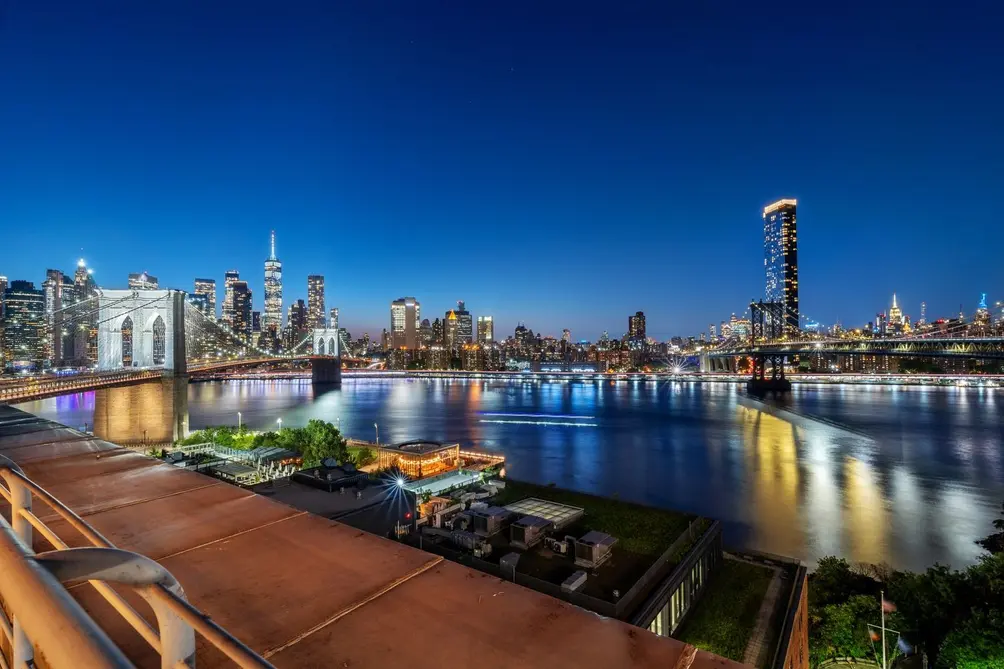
{"x": 256, "y": 566}
{"x": 417, "y": 447}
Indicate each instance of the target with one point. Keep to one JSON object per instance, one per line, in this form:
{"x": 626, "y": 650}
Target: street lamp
{"x": 279, "y": 421}
{"x": 339, "y": 421}
{"x": 377, "y": 428}
{"x": 238, "y": 421}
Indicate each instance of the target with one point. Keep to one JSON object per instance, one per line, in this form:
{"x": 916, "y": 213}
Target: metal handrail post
{"x": 48, "y": 614}
{"x": 114, "y": 565}
{"x": 20, "y": 498}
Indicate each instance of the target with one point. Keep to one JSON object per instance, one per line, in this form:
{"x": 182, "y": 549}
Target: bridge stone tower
{"x": 142, "y": 328}
{"x": 326, "y": 370}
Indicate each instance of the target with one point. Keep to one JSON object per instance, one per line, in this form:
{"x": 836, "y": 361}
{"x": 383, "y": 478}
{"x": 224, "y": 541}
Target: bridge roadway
{"x": 301, "y": 590}
{"x": 979, "y": 348}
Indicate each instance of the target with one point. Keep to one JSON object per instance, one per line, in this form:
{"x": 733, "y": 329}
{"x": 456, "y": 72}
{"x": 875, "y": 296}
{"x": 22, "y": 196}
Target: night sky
{"x": 563, "y": 165}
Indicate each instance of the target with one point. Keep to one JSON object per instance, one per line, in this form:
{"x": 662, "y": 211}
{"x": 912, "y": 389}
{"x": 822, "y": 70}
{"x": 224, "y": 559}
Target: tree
{"x": 973, "y": 645}
{"x": 929, "y": 603}
{"x": 834, "y": 582}
{"x": 365, "y": 456}
{"x": 843, "y": 629}
{"x": 323, "y": 440}
{"x": 995, "y": 542}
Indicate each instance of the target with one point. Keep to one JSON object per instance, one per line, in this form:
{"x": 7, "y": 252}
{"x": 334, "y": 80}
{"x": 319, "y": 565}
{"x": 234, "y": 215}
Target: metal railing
{"x": 43, "y": 616}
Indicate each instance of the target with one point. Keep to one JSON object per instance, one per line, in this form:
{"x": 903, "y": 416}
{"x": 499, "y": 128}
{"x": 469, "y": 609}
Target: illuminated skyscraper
{"x": 486, "y": 330}
{"x": 636, "y": 326}
{"x": 296, "y": 325}
{"x": 450, "y": 326}
{"x": 85, "y": 317}
{"x": 207, "y": 287}
{"x": 333, "y": 318}
{"x": 24, "y": 326}
{"x": 405, "y": 320}
{"x": 781, "y": 257}
{"x": 895, "y": 313}
{"x": 923, "y": 314}
{"x": 566, "y": 335}
{"x": 231, "y": 277}
{"x": 271, "y": 322}
{"x": 241, "y": 301}
{"x": 315, "y": 301}
{"x": 465, "y": 324}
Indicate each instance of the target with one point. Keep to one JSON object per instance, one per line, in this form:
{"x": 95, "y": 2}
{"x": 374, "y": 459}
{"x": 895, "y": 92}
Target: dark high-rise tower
{"x": 780, "y": 249}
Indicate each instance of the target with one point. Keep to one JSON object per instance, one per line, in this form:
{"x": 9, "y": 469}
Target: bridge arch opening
{"x": 320, "y": 346}
{"x": 159, "y": 331}
{"x": 332, "y": 349}
{"x": 127, "y": 340}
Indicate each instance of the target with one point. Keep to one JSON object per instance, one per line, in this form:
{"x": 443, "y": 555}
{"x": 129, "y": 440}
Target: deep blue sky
{"x": 564, "y": 164}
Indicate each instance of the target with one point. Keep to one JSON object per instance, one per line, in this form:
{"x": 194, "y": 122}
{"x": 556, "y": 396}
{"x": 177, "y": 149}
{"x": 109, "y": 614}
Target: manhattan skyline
{"x": 563, "y": 170}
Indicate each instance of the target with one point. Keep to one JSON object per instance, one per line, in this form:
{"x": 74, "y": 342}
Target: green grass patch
{"x": 642, "y": 530}
{"x": 723, "y": 619}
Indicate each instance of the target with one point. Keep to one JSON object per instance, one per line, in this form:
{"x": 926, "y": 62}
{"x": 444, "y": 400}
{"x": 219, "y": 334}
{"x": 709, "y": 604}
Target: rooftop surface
{"x": 301, "y": 590}
{"x": 739, "y": 615}
{"x": 643, "y": 534}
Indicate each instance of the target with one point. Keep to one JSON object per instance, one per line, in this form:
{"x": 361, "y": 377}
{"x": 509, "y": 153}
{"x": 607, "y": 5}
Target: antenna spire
{"x": 272, "y": 257}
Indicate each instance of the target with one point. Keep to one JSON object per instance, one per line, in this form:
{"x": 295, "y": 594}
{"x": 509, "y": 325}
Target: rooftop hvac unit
{"x": 593, "y": 549}
{"x": 528, "y": 531}
{"x": 556, "y": 545}
{"x": 489, "y": 521}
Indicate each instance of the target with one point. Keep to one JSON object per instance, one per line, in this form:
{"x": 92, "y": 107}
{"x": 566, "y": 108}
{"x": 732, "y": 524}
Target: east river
{"x": 906, "y": 476}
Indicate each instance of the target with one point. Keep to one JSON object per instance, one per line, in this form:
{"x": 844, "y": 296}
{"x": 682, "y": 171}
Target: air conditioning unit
{"x": 528, "y": 531}
{"x": 593, "y": 549}
{"x": 556, "y": 545}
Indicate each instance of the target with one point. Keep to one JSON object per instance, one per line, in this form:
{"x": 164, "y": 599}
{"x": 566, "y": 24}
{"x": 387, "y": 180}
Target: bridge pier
{"x": 326, "y": 372}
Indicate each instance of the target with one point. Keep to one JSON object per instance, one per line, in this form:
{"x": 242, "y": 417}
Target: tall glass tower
{"x": 272, "y": 318}
{"x": 780, "y": 258}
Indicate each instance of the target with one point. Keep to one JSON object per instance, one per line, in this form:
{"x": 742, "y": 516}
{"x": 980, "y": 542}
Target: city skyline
{"x": 629, "y": 184}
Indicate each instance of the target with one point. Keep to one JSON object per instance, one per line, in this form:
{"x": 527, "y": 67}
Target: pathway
{"x": 758, "y": 645}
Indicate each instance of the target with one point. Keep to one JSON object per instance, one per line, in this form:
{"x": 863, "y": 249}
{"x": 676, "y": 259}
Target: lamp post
{"x": 377, "y": 428}
{"x": 238, "y": 421}
{"x": 279, "y": 421}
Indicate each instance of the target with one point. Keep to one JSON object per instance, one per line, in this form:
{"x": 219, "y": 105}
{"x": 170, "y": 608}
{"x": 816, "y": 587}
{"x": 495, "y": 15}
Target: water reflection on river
{"x": 903, "y": 475}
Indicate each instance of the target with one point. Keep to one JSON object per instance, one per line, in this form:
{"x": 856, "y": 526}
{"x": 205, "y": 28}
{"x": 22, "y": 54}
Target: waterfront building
{"x": 200, "y": 301}
{"x": 486, "y": 330}
{"x": 24, "y": 327}
{"x": 85, "y": 317}
{"x": 231, "y": 277}
{"x": 315, "y": 301}
{"x": 425, "y": 333}
{"x": 437, "y": 332}
{"x": 272, "y": 318}
{"x": 333, "y": 318}
{"x": 465, "y": 325}
{"x": 296, "y": 324}
{"x": 781, "y": 257}
{"x": 207, "y": 288}
{"x": 143, "y": 281}
{"x": 636, "y": 326}
{"x": 405, "y": 317}
{"x": 241, "y": 297}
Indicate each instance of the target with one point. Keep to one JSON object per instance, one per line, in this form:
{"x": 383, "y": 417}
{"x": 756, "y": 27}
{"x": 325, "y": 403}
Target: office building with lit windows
{"x": 486, "y": 330}
{"x": 405, "y": 321}
{"x": 272, "y": 317}
{"x": 24, "y": 327}
{"x": 242, "y": 310}
{"x": 465, "y": 325}
{"x": 207, "y": 288}
{"x": 231, "y": 277}
{"x": 636, "y": 326}
{"x": 315, "y": 301}
{"x": 780, "y": 246}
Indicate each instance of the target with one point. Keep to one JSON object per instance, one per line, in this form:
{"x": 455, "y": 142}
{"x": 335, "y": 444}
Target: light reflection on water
{"x": 906, "y": 476}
